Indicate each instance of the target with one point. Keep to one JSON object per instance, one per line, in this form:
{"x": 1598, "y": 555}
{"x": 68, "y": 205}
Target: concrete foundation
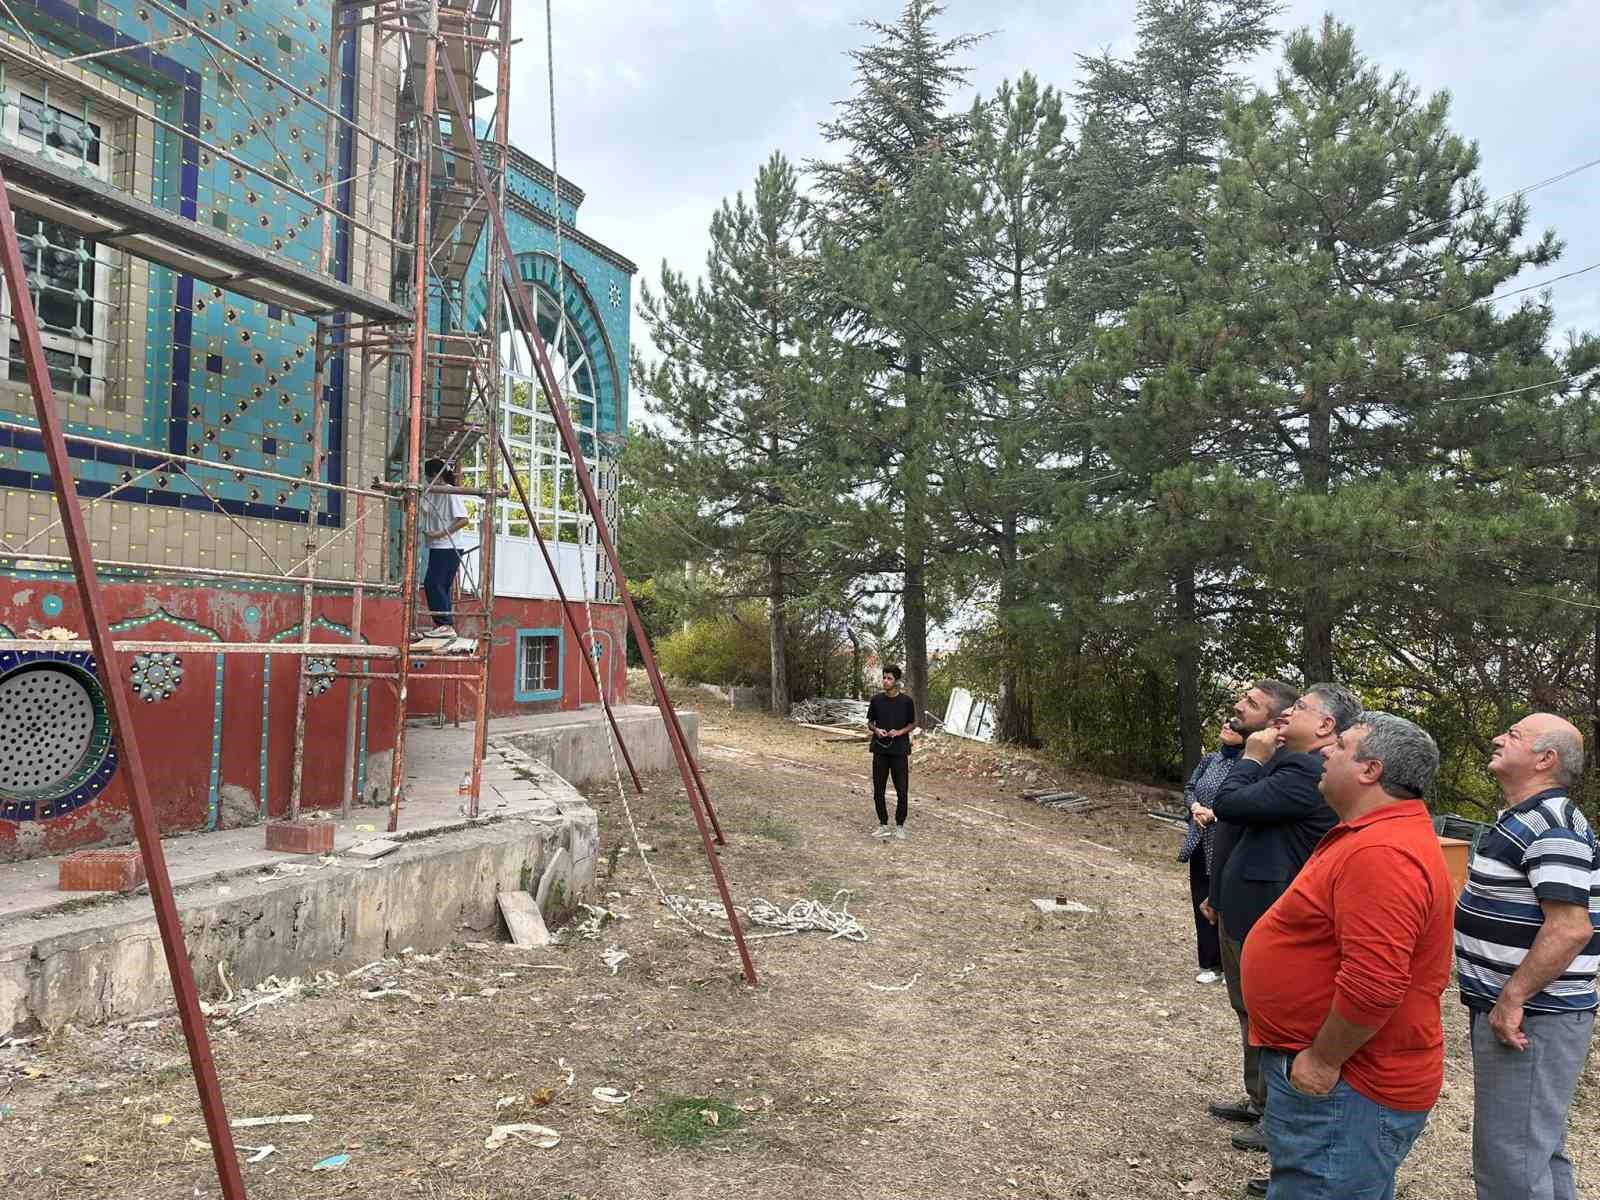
{"x": 575, "y": 746}
{"x": 86, "y": 960}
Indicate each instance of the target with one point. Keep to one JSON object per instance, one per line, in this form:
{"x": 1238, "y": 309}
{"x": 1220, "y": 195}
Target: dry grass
{"x": 1070, "y": 1058}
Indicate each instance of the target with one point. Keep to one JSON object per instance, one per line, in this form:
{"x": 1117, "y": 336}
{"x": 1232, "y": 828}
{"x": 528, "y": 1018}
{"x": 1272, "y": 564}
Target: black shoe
{"x": 1245, "y": 1114}
{"x": 1257, "y": 1185}
{"x": 1250, "y": 1139}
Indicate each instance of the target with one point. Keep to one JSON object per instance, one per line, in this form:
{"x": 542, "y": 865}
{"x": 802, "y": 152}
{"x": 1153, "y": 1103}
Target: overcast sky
{"x": 666, "y": 106}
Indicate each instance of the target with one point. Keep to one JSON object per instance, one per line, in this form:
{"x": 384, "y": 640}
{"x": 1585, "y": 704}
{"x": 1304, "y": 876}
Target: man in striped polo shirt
{"x": 1526, "y": 954}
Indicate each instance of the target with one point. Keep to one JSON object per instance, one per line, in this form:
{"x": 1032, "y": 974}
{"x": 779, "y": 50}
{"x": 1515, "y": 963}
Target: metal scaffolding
{"x": 445, "y": 167}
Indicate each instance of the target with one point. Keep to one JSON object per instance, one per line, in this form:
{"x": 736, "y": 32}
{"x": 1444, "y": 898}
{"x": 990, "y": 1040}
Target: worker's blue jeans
{"x": 1341, "y": 1146}
{"x": 440, "y": 581}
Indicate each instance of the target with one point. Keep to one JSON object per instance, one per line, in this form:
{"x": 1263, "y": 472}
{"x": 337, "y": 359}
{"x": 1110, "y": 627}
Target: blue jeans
{"x": 439, "y": 581}
{"x": 1341, "y": 1146}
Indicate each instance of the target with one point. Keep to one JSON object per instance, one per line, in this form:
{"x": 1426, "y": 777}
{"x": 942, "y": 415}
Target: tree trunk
{"x": 1016, "y": 707}
{"x": 1188, "y": 669}
{"x": 1317, "y": 606}
{"x": 778, "y": 634}
{"x": 914, "y": 488}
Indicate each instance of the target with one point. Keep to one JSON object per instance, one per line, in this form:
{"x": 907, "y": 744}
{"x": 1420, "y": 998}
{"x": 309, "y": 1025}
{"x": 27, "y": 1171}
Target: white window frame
{"x": 97, "y": 346}
{"x": 542, "y": 462}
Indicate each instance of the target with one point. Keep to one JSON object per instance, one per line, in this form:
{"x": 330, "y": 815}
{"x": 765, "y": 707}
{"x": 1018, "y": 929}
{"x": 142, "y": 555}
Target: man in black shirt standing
{"x": 891, "y": 716}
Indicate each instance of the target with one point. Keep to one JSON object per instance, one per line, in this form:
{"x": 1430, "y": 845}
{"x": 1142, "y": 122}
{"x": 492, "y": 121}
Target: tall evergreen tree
{"x": 1018, "y": 239}
{"x": 1348, "y": 239}
{"x": 726, "y": 474}
{"x": 1147, "y": 121}
{"x": 892, "y": 282}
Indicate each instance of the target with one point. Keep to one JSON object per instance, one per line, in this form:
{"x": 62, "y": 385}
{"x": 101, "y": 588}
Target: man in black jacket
{"x": 1270, "y": 816}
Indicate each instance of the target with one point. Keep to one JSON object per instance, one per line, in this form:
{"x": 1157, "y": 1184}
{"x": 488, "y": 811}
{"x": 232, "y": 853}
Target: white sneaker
{"x": 882, "y": 831}
{"x": 1209, "y": 977}
{"x": 900, "y": 833}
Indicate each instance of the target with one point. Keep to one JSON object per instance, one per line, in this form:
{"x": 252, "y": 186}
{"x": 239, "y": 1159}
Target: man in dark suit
{"x": 1270, "y": 817}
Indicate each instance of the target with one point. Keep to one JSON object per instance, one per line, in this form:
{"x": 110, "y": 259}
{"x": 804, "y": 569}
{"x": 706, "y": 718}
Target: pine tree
{"x": 1018, "y": 240}
{"x": 892, "y": 285}
{"x": 1347, "y": 242}
{"x": 726, "y": 475}
{"x": 1146, "y": 121}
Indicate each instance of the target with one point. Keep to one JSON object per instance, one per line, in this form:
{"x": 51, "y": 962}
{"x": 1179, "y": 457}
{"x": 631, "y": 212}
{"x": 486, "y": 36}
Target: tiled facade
{"x": 168, "y": 364}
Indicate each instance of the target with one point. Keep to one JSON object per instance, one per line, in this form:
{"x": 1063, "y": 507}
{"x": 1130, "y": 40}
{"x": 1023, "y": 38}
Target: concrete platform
{"x": 68, "y": 957}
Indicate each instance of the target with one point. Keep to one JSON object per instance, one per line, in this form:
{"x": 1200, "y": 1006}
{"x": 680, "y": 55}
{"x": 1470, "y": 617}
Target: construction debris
{"x": 541, "y": 1136}
{"x": 1067, "y": 802}
{"x": 835, "y": 713}
{"x": 1056, "y": 906}
{"x": 523, "y": 919}
{"x": 257, "y": 1122}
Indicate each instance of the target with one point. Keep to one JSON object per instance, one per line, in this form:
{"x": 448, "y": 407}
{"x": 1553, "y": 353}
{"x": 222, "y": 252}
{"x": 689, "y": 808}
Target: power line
{"x": 1430, "y": 227}
{"x": 1532, "y": 387}
{"x": 1532, "y": 287}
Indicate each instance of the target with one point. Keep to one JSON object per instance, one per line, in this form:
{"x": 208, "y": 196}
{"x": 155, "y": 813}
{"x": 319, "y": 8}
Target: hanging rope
{"x": 802, "y": 916}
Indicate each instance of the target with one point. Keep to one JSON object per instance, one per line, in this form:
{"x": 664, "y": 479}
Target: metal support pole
{"x": 522, "y": 307}
{"x": 319, "y": 380}
{"x": 492, "y": 443}
{"x": 308, "y": 590}
{"x": 572, "y": 621}
{"x": 426, "y": 115}
{"x": 145, "y": 827}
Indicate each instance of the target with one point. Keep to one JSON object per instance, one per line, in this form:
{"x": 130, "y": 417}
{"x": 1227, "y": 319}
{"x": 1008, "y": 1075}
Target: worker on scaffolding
{"x": 444, "y": 515}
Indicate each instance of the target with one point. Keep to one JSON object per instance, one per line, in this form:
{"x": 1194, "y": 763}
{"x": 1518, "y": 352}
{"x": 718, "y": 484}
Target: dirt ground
{"x": 1063, "y": 1057}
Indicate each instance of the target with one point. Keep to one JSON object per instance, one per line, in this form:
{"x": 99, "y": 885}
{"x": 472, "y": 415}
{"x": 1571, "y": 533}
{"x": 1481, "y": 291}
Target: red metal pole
{"x": 145, "y": 827}
{"x": 522, "y": 306}
{"x": 566, "y": 607}
{"x": 427, "y": 131}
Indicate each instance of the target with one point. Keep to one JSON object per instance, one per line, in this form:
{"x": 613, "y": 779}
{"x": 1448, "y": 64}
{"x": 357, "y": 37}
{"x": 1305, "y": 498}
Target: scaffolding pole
{"x": 522, "y": 307}
{"x": 145, "y": 825}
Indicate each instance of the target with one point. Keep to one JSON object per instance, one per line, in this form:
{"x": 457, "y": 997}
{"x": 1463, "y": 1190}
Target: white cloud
{"x": 665, "y": 108}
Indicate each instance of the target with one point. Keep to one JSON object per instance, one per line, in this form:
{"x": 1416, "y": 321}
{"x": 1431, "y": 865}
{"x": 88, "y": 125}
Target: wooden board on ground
{"x": 523, "y": 919}
{"x": 373, "y": 848}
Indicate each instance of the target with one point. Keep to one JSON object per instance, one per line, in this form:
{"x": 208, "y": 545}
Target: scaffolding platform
{"x": 95, "y": 209}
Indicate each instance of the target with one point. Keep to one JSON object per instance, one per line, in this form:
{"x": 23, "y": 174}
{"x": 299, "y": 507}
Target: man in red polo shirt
{"x": 1343, "y": 975}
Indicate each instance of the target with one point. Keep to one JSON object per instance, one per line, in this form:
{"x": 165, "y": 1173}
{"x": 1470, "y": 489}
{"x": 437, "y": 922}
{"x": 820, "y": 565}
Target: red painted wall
{"x": 177, "y": 734}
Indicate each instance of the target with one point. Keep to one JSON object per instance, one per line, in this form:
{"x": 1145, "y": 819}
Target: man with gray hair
{"x": 1527, "y": 951}
{"x": 1343, "y": 974}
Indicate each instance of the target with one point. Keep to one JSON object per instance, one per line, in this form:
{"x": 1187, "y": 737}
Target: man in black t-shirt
{"x": 891, "y": 716}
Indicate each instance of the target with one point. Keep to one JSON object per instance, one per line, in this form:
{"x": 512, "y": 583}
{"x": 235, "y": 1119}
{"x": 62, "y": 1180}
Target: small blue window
{"x": 539, "y": 666}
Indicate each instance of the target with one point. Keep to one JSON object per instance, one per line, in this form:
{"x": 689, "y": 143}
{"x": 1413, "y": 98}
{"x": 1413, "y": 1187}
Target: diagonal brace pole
{"x": 566, "y": 607}
{"x": 522, "y": 308}
{"x": 145, "y": 826}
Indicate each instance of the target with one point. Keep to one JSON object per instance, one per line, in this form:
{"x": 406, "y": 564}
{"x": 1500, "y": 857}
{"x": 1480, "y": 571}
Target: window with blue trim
{"x": 538, "y": 664}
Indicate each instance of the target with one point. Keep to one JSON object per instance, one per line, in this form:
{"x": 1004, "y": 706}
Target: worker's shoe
{"x": 882, "y": 831}
{"x": 1245, "y": 1113}
{"x": 900, "y": 832}
{"x": 1257, "y": 1186}
{"x": 1250, "y": 1139}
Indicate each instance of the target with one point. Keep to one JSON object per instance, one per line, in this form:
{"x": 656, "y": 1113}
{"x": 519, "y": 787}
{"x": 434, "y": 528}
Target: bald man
{"x": 1526, "y": 952}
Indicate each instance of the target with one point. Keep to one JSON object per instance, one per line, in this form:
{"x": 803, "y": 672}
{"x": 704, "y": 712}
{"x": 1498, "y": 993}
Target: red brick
{"x": 101, "y": 871}
{"x": 300, "y": 837}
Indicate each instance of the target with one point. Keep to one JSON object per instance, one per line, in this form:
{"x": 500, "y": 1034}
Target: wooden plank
{"x": 523, "y": 919}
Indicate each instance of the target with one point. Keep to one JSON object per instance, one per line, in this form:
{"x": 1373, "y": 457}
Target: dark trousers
{"x": 883, "y": 766}
{"x": 440, "y": 581}
{"x": 1205, "y": 933}
{"x": 1255, "y": 1085}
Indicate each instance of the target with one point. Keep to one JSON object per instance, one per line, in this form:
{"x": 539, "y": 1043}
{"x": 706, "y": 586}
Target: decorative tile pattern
{"x": 228, "y": 376}
{"x": 156, "y": 676}
{"x": 95, "y": 766}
